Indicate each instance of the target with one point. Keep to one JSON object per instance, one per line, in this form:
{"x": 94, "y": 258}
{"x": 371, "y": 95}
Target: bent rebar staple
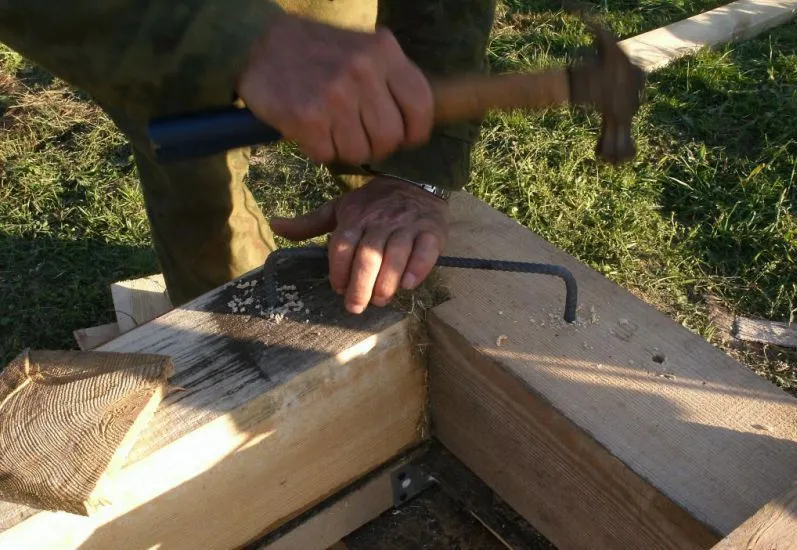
{"x": 317, "y": 252}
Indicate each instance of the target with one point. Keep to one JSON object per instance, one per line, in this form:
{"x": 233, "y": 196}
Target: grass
{"x": 706, "y": 211}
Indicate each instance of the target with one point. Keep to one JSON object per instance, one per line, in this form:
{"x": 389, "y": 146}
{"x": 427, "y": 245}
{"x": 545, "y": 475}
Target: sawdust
{"x": 255, "y": 304}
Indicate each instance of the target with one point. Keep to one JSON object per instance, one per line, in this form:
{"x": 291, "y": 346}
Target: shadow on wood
{"x": 624, "y": 424}
{"x": 264, "y": 419}
{"x": 774, "y": 527}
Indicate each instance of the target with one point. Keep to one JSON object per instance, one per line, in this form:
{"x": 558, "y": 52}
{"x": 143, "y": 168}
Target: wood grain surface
{"x": 765, "y": 332}
{"x": 625, "y": 424}
{"x": 265, "y": 420}
{"x": 67, "y": 418}
{"x": 774, "y": 527}
{"x": 93, "y": 337}
{"x": 138, "y": 301}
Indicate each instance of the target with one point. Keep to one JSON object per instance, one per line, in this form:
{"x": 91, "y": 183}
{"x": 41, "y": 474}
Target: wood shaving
{"x": 287, "y": 295}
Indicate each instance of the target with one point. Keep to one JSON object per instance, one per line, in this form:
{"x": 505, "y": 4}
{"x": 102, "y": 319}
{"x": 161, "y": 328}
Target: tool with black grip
{"x": 608, "y": 81}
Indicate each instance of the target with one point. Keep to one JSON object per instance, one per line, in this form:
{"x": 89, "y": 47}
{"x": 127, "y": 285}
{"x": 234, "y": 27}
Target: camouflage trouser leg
{"x": 206, "y": 226}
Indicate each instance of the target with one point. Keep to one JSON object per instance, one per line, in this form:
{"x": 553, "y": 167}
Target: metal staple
{"x": 316, "y": 252}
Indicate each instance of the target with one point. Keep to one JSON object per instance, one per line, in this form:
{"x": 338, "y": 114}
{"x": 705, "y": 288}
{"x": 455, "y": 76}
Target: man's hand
{"x": 385, "y": 235}
{"x": 341, "y": 95}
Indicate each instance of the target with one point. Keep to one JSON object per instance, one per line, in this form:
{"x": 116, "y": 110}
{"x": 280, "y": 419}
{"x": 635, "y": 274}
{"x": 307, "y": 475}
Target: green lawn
{"x": 707, "y": 210}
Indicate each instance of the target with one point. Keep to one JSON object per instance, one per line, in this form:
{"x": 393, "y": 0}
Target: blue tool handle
{"x": 190, "y": 136}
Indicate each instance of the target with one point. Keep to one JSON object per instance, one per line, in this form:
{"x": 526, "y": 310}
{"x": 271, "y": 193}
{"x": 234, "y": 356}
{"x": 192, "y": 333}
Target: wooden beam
{"x": 774, "y": 527}
{"x": 739, "y": 20}
{"x": 343, "y": 517}
{"x": 68, "y": 420}
{"x": 765, "y": 332}
{"x": 364, "y": 501}
{"x": 622, "y": 430}
{"x": 93, "y": 337}
{"x": 138, "y": 301}
{"x": 266, "y": 418}
{"x": 326, "y": 524}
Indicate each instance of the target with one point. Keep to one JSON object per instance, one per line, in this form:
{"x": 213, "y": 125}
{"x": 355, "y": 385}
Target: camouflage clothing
{"x": 145, "y": 58}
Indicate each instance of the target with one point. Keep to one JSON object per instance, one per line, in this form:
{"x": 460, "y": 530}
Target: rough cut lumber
{"x": 774, "y": 527}
{"x": 69, "y": 418}
{"x": 325, "y": 525}
{"x": 342, "y": 518}
{"x": 624, "y": 430}
{"x": 739, "y": 20}
{"x": 364, "y": 501}
{"x": 733, "y": 329}
{"x": 93, "y": 337}
{"x": 268, "y": 420}
{"x": 765, "y": 332}
{"x": 138, "y": 301}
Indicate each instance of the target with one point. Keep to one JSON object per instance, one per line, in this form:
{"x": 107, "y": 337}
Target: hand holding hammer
{"x": 608, "y": 82}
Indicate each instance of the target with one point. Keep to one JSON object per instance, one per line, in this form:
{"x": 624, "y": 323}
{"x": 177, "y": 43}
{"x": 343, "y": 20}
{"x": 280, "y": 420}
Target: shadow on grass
{"x": 50, "y": 287}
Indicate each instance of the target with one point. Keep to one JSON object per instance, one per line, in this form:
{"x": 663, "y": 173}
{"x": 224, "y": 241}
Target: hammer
{"x": 608, "y": 81}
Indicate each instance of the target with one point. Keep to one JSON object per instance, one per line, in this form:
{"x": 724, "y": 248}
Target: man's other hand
{"x": 341, "y": 95}
{"x": 384, "y": 236}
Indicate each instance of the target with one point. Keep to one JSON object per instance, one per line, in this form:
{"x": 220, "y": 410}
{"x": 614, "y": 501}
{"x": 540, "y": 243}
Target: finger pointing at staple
{"x": 342, "y": 248}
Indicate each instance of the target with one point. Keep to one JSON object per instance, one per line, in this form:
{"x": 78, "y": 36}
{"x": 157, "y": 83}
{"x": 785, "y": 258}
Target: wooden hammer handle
{"x": 194, "y": 135}
{"x": 471, "y": 97}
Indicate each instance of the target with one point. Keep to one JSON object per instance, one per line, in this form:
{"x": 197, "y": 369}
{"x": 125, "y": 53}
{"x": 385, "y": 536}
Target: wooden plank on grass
{"x": 93, "y": 337}
{"x": 266, "y": 418}
{"x": 765, "y": 332}
{"x": 624, "y": 430}
{"x": 739, "y": 20}
{"x": 774, "y": 527}
{"x": 138, "y": 301}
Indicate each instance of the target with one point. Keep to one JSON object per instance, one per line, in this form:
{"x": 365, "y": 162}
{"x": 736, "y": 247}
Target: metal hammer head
{"x": 613, "y": 84}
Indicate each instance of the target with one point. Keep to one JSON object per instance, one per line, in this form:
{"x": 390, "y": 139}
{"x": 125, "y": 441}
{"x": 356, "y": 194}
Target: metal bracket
{"x": 409, "y": 481}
